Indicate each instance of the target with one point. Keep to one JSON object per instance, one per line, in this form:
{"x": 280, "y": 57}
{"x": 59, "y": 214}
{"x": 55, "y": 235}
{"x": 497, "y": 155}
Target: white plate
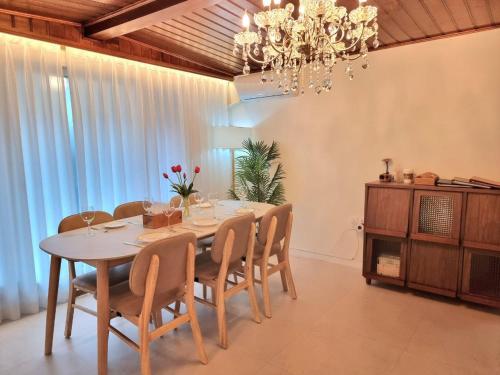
{"x": 152, "y": 237}
{"x": 205, "y": 205}
{"x": 115, "y": 225}
{"x": 205, "y": 222}
{"x": 244, "y": 210}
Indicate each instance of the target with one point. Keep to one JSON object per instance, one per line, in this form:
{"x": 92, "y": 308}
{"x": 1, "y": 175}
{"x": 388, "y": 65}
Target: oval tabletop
{"x": 110, "y": 244}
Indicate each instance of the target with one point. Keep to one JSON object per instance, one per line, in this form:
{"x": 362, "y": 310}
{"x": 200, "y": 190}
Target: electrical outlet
{"x": 357, "y": 224}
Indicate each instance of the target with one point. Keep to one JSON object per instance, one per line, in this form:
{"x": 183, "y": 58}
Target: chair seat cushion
{"x": 122, "y": 299}
{"x": 207, "y": 269}
{"x": 88, "y": 281}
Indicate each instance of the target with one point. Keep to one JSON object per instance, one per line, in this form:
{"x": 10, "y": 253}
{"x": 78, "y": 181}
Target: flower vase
{"x": 187, "y": 205}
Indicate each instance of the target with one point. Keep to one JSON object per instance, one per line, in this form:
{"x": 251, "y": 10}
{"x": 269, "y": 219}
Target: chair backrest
{"x": 75, "y": 221}
{"x": 173, "y": 253}
{"x": 241, "y": 225}
{"x": 177, "y": 198}
{"x": 128, "y": 210}
{"x": 282, "y": 214}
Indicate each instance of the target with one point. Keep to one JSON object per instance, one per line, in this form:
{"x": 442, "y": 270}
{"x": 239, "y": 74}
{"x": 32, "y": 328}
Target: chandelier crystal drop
{"x": 302, "y": 51}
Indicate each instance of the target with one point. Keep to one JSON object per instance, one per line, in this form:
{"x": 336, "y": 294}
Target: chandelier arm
{"x": 355, "y": 42}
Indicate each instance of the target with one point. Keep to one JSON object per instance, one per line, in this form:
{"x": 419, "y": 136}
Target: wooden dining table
{"x": 107, "y": 248}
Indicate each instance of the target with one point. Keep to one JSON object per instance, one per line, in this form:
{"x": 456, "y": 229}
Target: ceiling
{"x": 202, "y": 30}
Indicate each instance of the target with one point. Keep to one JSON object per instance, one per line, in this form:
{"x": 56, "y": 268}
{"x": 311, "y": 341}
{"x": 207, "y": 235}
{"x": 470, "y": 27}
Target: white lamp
{"x": 230, "y": 137}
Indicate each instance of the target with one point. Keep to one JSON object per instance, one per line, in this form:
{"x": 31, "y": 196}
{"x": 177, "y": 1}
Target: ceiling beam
{"x": 141, "y": 15}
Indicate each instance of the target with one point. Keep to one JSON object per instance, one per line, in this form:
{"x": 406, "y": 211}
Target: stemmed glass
{"x": 88, "y": 216}
{"x": 213, "y": 199}
{"x": 198, "y": 198}
{"x": 169, "y": 209}
{"x": 147, "y": 205}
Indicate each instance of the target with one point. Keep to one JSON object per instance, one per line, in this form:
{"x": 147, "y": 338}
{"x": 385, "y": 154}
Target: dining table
{"x": 107, "y": 248}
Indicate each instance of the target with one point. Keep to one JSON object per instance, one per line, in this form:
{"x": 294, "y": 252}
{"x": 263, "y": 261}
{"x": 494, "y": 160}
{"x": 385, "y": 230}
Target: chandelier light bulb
{"x": 361, "y": 2}
{"x": 302, "y": 9}
{"x": 266, "y": 3}
{"x": 245, "y": 21}
{"x": 277, "y": 2}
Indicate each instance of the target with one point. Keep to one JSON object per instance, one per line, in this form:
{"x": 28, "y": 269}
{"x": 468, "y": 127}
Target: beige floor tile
{"x": 338, "y": 325}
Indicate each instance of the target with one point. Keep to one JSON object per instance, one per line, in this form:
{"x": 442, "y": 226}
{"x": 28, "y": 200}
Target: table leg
{"x": 55, "y": 268}
{"x": 102, "y": 317}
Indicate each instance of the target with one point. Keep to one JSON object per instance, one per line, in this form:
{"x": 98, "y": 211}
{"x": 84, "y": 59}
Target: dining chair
{"x": 177, "y": 198}
{"x": 234, "y": 239}
{"x": 162, "y": 273}
{"x": 273, "y": 239}
{"x": 86, "y": 283}
{"x": 129, "y": 209}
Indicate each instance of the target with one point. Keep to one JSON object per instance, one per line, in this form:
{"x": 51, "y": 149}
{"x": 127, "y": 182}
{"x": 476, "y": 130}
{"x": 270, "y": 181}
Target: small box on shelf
{"x": 388, "y": 265}
{"x": 155, "y": 221}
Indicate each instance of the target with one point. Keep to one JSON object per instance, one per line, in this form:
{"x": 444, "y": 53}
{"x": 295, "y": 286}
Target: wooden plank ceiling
{"x": 201, "y": 31}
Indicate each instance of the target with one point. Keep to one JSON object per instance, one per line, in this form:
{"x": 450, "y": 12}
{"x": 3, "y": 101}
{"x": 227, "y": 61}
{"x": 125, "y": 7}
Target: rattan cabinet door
{"x": 481, "y": 277}
{"x": 436, "y": 216}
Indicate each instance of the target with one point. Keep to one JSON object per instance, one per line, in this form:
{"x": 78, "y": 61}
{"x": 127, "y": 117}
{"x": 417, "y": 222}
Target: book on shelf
{"x": 468, "y": 183}
{"x": 485, "y": 181}
{"x": 446, "y": 183}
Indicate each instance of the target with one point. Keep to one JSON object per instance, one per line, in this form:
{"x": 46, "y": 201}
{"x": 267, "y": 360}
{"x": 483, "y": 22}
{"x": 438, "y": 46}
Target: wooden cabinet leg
{"x": 368, "y": 281}
{"x": 55, "y": 268}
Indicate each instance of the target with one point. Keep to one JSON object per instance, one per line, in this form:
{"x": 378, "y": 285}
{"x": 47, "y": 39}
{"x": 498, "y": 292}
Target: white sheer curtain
{"x": 125, "y": 125}
{"x": 37, "y": 187}
{"x": 132, "y": 121}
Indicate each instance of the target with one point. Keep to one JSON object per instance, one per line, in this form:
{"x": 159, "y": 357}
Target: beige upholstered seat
{"x": 234, "y": 239}
{"x": 273, "y": 239}
{"x": 86, "y": 283}
{"x": 129, "y": 209}
{"x": 162, "y": 273}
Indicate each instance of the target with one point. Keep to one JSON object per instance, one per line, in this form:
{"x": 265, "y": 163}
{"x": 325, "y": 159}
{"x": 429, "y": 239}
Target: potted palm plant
{"x": 257, "y": 176}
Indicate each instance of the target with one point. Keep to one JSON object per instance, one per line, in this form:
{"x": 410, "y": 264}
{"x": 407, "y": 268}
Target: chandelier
{"x": 293, "y": 50}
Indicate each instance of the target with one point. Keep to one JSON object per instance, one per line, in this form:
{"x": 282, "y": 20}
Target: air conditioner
{"x": 250, "y": 88}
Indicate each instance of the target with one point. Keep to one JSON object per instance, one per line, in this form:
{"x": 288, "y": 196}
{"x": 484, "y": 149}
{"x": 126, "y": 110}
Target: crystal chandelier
{"x": 293, "y": 50}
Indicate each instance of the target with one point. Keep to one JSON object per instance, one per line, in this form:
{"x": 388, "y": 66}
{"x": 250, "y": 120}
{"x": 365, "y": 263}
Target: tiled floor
{"x": 339, "y": 325}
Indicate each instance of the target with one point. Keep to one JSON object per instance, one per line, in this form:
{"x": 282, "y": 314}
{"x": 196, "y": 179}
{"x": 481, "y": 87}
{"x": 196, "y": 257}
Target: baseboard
{"x": 356, "y": 263}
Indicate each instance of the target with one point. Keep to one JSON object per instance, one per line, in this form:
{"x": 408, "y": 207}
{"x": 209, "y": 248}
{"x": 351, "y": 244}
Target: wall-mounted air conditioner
{"x": 250, "y": 88}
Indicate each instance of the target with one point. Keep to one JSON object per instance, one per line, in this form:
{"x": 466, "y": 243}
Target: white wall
{"x": 431, "y": 106}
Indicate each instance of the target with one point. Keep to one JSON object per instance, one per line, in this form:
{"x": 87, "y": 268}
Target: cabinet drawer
{"x": 387, "y": 211}
{"x": 482, "y": 221}
{"x": 434, "y": 267}
{"x": 436, "y": 216}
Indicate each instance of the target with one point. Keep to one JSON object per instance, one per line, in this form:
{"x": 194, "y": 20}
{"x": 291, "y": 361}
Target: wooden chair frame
{"x": 219, "y": 289}
{"x": 283, "y": 265}
{"x": 142, "y": 321}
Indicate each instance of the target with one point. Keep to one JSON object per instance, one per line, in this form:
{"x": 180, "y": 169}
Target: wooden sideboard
{"x": 447, "y": 240}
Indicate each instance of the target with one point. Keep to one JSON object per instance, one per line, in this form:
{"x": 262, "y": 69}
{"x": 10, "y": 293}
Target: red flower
{"x": 197, "y": 169}
{"x": 165, "y": 176}
{"x": 184, "y": 175}
{"x": 174, "y": 168}
{"x": 179, "y": 168}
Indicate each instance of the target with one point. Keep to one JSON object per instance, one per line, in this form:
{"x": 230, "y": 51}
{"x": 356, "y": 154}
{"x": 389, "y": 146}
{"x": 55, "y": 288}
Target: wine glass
{"x": 198, "y": 198}
{"x": 169, "y": 209}
{"x": 213, "y": 199}
{"x": 147, "y": 205}
{"x": 244, "y": 202}
{"x": 88, "y": 216}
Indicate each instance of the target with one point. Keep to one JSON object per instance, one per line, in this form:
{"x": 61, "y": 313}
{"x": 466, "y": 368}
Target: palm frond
{"x": 253, "y": 177}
